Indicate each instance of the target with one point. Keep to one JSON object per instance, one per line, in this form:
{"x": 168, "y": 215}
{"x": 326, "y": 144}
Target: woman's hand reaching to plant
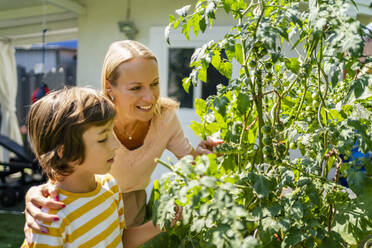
{"x": 206, "y": 146}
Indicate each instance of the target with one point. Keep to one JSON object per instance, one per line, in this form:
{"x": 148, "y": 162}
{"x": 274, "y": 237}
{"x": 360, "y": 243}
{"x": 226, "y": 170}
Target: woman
{"x": 146, "y": 125}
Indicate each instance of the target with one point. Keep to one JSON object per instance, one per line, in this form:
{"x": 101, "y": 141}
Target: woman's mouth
{"x": 110, "y": 160}
{"x": 146, "y": 108}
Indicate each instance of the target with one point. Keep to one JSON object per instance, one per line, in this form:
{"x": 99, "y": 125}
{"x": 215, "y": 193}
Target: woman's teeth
{"x": 145, "y": 107}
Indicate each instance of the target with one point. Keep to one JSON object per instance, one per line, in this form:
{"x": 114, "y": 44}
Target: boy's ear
{"x": 60, "y": 151}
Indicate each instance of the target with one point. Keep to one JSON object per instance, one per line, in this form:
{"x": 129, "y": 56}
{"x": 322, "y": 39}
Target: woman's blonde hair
{"x": 120, "y": 52}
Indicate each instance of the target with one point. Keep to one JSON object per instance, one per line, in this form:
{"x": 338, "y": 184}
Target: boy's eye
{"x": 155, "y": 84}
{"x": 136, "y": 88}
{"x": 102, "y": 141}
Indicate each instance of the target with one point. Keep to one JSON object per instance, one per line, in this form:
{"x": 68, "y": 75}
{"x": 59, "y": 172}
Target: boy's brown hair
{"x": 57, "y": 122}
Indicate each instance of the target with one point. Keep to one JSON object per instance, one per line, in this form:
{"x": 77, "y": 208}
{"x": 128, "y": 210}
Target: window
{"x": 178, "y": 68}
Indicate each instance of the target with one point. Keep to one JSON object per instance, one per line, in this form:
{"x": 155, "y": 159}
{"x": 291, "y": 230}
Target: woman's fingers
{"x": 203, "y": 149}
{"x": 32, "y": 223}
{"x": 37, "y": 196}
{"x": 206, "y": 146}
{"x": 178, "y": 215}
{"x": 34, "y": 214}
{"x": 214, "y": 141}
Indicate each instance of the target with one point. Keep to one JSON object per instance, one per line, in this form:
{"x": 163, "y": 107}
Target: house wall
{"x": 98, "y": 27}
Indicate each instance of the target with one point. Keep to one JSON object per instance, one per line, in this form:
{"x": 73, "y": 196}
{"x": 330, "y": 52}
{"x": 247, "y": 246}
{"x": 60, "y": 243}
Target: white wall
{"x": 98, "y": 27}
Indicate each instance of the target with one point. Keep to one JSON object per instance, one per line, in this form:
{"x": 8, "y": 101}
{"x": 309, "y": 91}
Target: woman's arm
{"x": 138, "y": 235}
{"x": 133, "y": 237}
{"x": 180, "y": 146}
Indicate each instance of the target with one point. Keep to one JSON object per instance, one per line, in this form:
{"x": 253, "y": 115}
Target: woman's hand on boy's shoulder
{"x": 37, "y": 197}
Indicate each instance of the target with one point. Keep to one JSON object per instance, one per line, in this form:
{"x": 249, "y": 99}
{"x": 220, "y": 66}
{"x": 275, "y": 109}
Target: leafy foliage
{"x": 255, "y": 192}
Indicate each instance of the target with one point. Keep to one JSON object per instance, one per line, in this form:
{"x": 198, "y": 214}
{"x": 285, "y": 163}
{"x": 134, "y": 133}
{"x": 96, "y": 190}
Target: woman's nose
{"x": 148, "y": 95}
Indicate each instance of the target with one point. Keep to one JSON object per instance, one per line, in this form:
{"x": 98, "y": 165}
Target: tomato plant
{"x": 254, "y": 192}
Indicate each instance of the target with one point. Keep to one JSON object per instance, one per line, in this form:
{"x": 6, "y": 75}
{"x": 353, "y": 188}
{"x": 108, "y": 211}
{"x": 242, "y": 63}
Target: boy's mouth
{"x": 110, "y": 160}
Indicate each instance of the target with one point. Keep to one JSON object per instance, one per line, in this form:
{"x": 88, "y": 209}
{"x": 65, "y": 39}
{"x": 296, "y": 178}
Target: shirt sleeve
{"x": 178, "y": 144}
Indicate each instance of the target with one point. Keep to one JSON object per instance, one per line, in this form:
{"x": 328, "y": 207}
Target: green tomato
{"x": 293, "y": 145}
{"x": 315, "y": 95}
{"x": 268, "y": 66}
{"x": 276, "y": 84}
{"x": 252, "y": 64}
{"x": 279, "y": 127}
{"x": 308, "y": 109}
{"x": 267, "y": 140}
{"x": 266, "y": 129}
{"x": 281, "y": 148}
{"x": 258, "y": 73}
{"x": 251, "y": 152}
{"x": 264, "y": 52}
{"x": 268, "y": 158}
{"x": 267, "y": 150}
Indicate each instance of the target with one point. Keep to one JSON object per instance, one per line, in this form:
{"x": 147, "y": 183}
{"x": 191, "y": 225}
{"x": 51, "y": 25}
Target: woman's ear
{"x": 108, "y": 86}
{"x": 109, "y": 89}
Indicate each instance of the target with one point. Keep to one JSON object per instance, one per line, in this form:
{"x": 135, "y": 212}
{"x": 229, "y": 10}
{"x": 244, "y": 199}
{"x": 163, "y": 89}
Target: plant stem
{"x": 169, "y": 167}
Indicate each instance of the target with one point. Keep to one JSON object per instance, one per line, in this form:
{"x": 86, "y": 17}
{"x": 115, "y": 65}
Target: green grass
{"x": 11, "y": 230}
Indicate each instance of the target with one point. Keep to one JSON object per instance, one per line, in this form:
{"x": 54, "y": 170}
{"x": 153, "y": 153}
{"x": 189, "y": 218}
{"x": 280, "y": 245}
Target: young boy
{"x": 71, "y": 132}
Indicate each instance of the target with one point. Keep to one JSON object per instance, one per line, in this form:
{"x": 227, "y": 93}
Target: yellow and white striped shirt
{"x": 93, "y": 219}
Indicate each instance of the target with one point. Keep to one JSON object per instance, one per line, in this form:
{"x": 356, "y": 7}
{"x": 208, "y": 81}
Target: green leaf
{"x": 200, "y": 107}
{"x": 227, "y": 5}
{"x": 243, "y": 102}
{"x": 226, "y": 69}
{"x": 195, "y": 20}
{"x": 171, "y": 18}
{"x": 261, "y": 185}
{"x": 197, "y": 128}
{"x": 293, "y": 65}
{"x": 239, "y": 53}
{"x": 202, "y": 24}
{"x": 356, "y": 179}
{"x": 186, "y": 30}
{"x": 183, "y": 11}
{"x": 335, "y": 77}
{"x": 186, "y": 84}
{"x": 202, "y": 73}
{"x": 210, "y": 10}
{"x": 230, "y": 49}
{"x": 216, "y": 59}
{"x": 220, "y": 104}
{"x": 208, "y": 181}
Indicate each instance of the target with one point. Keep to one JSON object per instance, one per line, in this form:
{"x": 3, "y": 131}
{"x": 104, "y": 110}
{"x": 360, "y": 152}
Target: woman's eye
{"x": 155, "y": 84}
{"x": 102, "y": 141}
{"x": 136, "y": 88}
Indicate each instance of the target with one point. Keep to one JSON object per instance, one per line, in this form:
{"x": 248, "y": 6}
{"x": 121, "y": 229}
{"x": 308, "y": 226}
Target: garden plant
{"x": 289, "y": 123}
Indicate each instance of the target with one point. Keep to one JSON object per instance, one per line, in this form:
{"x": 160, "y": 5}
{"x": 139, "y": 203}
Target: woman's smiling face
{"x": 136, "y": 91}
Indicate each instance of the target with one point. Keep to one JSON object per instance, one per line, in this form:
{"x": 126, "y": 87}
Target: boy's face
{"x": 100, "y": 145}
